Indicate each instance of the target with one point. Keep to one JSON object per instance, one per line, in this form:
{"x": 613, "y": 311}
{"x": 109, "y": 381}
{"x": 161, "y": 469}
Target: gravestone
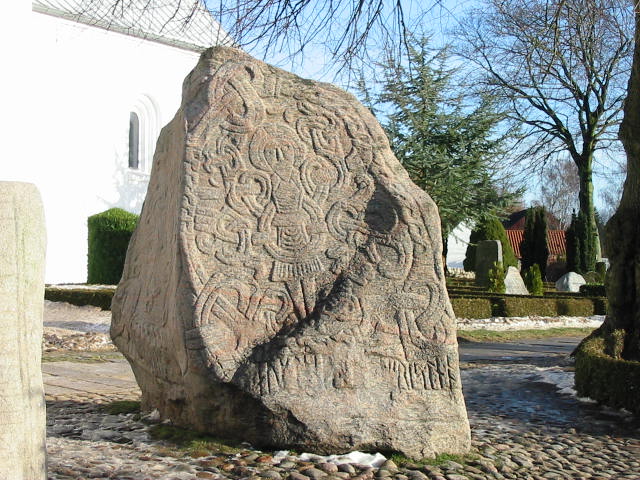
{"x": 488, "y": 253}
{"x": 22, "y": 423}
{"x": 591, "y": 277}
{"x": 513, "y": 282}
{"x": 284, "y": 285}
{"x": 570, "y": 282}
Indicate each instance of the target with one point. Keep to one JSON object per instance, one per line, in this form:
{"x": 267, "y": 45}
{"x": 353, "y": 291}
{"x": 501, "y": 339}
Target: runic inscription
{"x": 284, "y": 265}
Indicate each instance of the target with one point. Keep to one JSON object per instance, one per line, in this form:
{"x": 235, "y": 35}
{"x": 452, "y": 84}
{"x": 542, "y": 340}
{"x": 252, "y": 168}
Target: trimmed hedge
{"x": 593, "y": 290}
{"x": 109, "y": 235}
{"x": 605, "y": 379}
{"x": 525, "y": 306}
{"x": 575, "y": 307}
{"x": 78, "y": 296}
{"x": 521, "y": 306}
{"x": 471, "y": 307}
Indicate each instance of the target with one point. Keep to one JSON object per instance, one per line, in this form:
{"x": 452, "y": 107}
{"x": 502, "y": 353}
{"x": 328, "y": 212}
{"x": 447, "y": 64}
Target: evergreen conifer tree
{"x": 534, "y": 249}
{"x": 581, "y": 250}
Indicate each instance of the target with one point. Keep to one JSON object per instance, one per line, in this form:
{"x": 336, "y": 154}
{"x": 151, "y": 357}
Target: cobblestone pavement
{"x": 523, "y": 425}
{"x": 522, "y": 428}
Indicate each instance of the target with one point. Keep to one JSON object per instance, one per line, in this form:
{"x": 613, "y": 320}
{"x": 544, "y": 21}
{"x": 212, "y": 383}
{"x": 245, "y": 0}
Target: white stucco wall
{"x": 457, "y": 245}
{"x": 85, "y": 82}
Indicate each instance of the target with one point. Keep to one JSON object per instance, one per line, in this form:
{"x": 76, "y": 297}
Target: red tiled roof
{"x": 556, "y": 241}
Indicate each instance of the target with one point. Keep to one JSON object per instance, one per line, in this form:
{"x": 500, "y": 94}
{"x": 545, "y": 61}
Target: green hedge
{"x": 593, "y": 290}
{"x": 96, "y": 297}
{"x": 472, "y": 307}
{"x": 610, "y": 381}
{"x": 525, "y": 306}
{"x": 521, "y": 306}
{"x": 109, "y": 235}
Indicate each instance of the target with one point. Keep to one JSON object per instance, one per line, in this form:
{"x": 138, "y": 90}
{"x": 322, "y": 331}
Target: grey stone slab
{"x": 22, "y": 251}
{"x": 513, "y": 282}
{"x": 488, "y": 252}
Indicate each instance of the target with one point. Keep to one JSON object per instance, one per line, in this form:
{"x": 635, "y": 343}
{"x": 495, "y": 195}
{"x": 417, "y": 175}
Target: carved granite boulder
{"x": 284, "y": 285}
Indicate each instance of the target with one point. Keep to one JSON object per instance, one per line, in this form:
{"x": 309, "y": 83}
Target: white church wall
{"x": 457, "y": 243}
{"x": 87, "y": 81}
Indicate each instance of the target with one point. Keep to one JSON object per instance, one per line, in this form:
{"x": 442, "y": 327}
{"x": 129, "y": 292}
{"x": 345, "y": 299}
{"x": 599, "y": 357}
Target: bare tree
{"x": 559, "y": 190}
{"x": 561, "y": 66}
{"x": 348, "y": 30}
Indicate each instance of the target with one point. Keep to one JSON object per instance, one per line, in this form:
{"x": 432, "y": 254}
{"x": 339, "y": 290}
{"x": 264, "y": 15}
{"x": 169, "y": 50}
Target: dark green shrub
{"x": 581, "y": 247}
{"x": 527, "y": 306}
{"x": 489, "y": 229}
{"x": 603, "y": 378}
{"x": 601, "y": 270}
{"x": 496, "y": 279}
{"x": 593, "y": 290}
{"x": 534, "y": 249}
{"x": 533, "y": 280}
{"x": 98, "y": 298}
{"x": 575, "y": 307}
{"x": 109, "y": 235}
{"x": 600, "y": 306}
{"x": 471, "y": 307}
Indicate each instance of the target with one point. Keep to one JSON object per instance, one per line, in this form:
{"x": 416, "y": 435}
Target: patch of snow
{"x": 564, "y": 382}
{"x": 533, "y": 322}
{"x": 361, "y": 458}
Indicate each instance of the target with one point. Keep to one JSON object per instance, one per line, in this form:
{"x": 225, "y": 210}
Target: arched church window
{"x": 134, "y": 141}
{"x": 144, "y": 127}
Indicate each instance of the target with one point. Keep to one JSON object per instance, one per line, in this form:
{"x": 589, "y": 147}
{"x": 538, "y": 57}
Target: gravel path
{"x": 522, "y": 428}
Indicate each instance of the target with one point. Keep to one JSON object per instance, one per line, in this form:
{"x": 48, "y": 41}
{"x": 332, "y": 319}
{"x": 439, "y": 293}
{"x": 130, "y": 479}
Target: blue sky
{"x": 438, "y": 21}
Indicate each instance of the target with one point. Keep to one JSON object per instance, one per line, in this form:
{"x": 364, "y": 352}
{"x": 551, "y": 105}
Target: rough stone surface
{"x": 514, "y": 283}
{"x": 22, "y": 419}
{"x": 570, "y": 282}
{"x": 488, "y": 252}
{"x": 285, "y": 285}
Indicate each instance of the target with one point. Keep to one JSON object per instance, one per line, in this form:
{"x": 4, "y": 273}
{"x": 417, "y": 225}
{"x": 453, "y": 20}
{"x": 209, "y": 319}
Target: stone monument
{"x": 513, "y": 282}
{"x": 570, "y": 282}
{"x": 488, "y": 253}
{"x": 22, "y": 423}
{"x": 285, "y": 285}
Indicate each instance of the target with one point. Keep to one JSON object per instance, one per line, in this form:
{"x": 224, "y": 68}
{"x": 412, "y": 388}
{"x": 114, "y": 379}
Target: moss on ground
{"x": 402, "y": 460}
{"x": 122, "y": 407}
{"x": 192, "y": 443}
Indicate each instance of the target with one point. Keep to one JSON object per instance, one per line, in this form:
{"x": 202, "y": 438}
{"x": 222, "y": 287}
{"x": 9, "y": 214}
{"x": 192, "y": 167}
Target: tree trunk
{"x": 585, "y": 196}
{"x": 622, "y": 325}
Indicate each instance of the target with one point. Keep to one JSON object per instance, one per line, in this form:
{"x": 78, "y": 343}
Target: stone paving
{"x": 523, "y": 427}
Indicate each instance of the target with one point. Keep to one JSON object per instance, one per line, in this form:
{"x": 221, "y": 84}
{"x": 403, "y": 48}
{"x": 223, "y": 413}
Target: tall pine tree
{"x": 447, "y": 141}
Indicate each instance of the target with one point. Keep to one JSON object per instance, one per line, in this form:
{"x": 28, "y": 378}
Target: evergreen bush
{"x": 109, "y": 235}
{"x": 490, "y": 228}
{"x": 496, "y": 279}
{"x": 581, "y": 247}
{"x": 533, "y": 280}
{"x": 534, "y": 249}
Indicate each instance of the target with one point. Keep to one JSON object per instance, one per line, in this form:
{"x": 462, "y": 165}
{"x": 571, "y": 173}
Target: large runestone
{"x": 285, "y": 285}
